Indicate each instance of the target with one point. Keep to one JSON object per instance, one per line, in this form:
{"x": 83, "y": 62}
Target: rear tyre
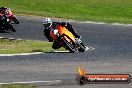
{"x": 8, "y": 26}
{"x": 69, "y": 45}
{"x": 13, "y": 29}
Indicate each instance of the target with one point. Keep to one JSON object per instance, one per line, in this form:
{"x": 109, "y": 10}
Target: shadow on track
{"x": 58, "y": 52}
{"x": 3, "y": 31}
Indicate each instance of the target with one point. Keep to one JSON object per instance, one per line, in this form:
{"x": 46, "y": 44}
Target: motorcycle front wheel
{"x": 15, "y": 20}
{"x": 81, "y": 47}
{"x": 69, "y": 45}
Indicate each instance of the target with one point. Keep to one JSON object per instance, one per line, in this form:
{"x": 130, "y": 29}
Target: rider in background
{"x": 48, "y": 24}
{"x": 5, "y": 11}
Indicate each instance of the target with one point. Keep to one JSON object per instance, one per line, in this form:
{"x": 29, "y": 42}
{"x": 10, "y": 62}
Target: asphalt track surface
{"x": 112, "y": 54}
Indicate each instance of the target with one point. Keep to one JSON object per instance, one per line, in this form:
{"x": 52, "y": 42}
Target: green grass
{"x": 17, "y": 86}
{"x": 94, "y": 10}
{"x": 24, "y": 46}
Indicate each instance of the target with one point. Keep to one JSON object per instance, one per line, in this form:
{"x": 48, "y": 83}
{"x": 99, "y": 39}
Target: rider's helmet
{"x": 8, "y": 12}
{"x": 47, "y": 22}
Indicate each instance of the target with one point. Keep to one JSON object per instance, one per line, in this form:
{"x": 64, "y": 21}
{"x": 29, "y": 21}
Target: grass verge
{"x": 94, "y": 10}
{"x": 17, "y": 86}
{"x": 24, "y": 46}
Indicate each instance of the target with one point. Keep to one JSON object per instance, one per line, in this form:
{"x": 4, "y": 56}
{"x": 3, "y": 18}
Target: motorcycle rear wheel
{"x": 13, "y": 29}
{"x": 15, "y": 20}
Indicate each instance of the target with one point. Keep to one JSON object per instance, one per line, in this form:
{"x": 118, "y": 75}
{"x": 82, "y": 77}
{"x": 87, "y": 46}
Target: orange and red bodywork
{"x": 62, "y": 31}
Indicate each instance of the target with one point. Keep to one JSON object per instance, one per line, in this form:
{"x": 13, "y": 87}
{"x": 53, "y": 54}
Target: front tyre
{"x": 68, "y": 45}
{"x": 81, "y": 47}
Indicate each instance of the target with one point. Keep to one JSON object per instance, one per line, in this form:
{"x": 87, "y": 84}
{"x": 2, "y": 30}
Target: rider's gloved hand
{"x": 64, "y": 24}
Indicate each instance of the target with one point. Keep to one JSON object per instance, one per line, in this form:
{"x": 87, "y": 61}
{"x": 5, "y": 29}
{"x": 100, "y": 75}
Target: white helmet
{"x": 47, "y": 22}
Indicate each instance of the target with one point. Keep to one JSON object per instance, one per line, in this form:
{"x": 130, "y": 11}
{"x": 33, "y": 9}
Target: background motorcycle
{"x": 66, "y": 39}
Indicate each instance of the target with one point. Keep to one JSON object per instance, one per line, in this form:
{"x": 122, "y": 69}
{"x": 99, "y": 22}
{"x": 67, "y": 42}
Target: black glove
{"x": 64, "y": 24}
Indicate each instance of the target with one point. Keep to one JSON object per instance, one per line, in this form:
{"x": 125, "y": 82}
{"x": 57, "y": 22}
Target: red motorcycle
{"x": 11, "y": 16}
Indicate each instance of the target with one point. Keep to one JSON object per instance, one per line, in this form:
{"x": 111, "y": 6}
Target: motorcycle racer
{"x": 49, "y": 25}
{"x": 4, "y": 20}
{"x": 9, "y": 14}
{"x": 4, "y": 11}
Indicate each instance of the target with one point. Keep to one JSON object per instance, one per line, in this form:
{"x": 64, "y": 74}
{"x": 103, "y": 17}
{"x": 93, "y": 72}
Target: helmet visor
{"x": 47, "y": 25}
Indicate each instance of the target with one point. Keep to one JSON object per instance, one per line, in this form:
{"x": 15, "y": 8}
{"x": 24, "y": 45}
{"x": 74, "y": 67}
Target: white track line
{"x": 5, "y": 38}
{"x": 32, "y": 82}
{"x": 21, "y": 54}
{"x": 10, "y": 38}
{"x": 89, "y": 48}
{"x": 61, "y": 51}
{"x": 116, "y": 24}
{"x": 1, "y": 37}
